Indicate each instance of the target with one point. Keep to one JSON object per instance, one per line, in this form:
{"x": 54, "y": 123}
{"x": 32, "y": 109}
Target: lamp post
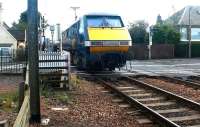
{"x": 75, "y": 9}
{"x": 150, "y": 40}
{"x": 189, "y": 39}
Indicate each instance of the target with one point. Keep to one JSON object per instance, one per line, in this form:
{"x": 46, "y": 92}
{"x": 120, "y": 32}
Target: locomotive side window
{"x": 81, "y": 26}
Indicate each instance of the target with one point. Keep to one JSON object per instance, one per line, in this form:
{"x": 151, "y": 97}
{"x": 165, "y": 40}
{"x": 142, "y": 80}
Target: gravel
{"x": 89, "y": 108}
{"x": 180, "y": 89}
{"x": 8, "y": 84}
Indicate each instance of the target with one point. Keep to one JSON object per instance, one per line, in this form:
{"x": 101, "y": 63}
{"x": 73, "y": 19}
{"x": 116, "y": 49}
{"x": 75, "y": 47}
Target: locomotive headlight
{"x": 87, "y": 43}
{"x": 130, "y": 43}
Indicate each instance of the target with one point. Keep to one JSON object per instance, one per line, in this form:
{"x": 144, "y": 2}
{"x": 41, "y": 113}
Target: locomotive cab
{"x": 102, "y": 42}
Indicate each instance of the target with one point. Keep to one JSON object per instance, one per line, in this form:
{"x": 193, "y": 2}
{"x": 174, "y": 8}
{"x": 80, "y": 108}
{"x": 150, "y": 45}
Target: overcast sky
{"x": 58, "y": 11}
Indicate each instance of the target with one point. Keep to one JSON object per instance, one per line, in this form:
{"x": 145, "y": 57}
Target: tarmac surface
{"x": 171, "y": 67}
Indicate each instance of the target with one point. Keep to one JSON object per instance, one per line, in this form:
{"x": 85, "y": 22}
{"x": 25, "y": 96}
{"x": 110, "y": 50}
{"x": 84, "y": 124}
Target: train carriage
{"x": 97, "y": 41}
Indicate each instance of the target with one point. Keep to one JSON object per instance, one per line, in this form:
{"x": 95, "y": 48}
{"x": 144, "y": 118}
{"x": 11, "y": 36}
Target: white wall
{"x": 7, "y": 38}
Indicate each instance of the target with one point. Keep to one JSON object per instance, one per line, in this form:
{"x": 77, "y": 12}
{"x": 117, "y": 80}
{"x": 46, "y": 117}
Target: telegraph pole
{"x": 190, "y": 43}
{"x": 75, "y": 13}
{"x": 33, "y": 61}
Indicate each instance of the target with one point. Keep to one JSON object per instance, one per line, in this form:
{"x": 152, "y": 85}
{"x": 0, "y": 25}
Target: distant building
{"x": 188, "y": 16}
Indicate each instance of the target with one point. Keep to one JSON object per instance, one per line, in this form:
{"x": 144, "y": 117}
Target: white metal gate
{"x": 55, "y": 64}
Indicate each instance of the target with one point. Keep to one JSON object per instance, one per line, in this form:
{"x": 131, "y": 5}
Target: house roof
{"x": 6, "y": 26}
{"x": 6, "y": 36}
{"x": 184, "y": 16}
{"x": 191, "y": 14}
{"x": 19, "y": 35}
{"x": 175, "y": 18}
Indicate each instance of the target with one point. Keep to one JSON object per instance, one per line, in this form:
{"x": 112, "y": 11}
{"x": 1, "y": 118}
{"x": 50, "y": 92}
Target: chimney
{"x": 1, "y": 14}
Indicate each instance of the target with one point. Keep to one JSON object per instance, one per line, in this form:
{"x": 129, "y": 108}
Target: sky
{"x": 59, "y": 11}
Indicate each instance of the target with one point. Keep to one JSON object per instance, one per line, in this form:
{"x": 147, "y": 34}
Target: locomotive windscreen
{"x": 104, "y": 21}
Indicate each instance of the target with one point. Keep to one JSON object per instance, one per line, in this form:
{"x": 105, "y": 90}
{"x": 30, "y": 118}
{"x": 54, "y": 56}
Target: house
{"x": 7, "y": 41}
{"x": 19, "y": 35}
{"x": 186, "y": 18}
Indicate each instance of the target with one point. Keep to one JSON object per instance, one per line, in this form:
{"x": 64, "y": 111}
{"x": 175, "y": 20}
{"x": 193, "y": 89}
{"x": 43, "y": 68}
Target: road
{"x": 180, "y": 67}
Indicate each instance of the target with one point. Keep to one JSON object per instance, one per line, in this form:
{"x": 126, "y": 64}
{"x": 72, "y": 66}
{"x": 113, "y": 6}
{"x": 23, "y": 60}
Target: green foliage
{"x": 138, "y": 32}
{"x": 60, "y": 96}
{"x": 23, "y": 22}
{"x": 165, "y": 34}
{"x": 20, "y": 54}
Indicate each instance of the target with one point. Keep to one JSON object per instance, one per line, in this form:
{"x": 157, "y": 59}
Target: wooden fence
{"x": 158, "y": 51}
{"x": 24, "y": 113}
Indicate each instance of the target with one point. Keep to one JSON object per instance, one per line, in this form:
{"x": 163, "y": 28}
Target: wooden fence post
{"x": 21, "y": 94}
{"x": 1, "y": 60}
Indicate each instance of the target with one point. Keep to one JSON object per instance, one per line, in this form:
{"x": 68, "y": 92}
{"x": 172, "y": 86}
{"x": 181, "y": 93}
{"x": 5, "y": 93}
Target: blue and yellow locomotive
{"x": 97, "y": 42}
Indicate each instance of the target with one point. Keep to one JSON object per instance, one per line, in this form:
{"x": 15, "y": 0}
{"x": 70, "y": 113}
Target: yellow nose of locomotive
{"x": 109, "y": 40}
{"x": 108, "y": 34}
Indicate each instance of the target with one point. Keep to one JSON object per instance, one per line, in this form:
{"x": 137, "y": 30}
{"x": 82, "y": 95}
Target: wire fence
{"x": 12, "y": 61}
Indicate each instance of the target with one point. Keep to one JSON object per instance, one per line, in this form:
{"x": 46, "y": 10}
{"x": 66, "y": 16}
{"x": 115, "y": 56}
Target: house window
{"x": 5, "y": 51}
{"x": 195, "y": 34}
{"x": 183, "y": 32}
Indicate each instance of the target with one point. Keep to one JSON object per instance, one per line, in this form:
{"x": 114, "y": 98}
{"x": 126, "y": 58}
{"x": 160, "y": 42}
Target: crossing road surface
{"x": 179, "y": 67}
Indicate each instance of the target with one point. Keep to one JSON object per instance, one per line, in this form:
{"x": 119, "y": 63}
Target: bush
{"x": 20, "y": 54}
{"x": 165, "y": 34}
{"x": 138, "y": 32}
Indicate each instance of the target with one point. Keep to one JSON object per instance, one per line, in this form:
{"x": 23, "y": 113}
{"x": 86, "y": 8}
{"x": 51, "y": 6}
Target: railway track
{"x": 163, "y": 107}
{"x": 195, "y": 79}
{"x": 103, "y": 73}
{"x": 193, "y": 83}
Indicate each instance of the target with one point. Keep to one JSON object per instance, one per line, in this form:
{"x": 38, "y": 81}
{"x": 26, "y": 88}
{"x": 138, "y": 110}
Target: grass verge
{"x": 8, "y": 101}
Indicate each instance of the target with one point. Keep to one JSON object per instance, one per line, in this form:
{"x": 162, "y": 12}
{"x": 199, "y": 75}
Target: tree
{"x": 23, "y": 21}
{"x": 138, "y": 32}
{"x": 165, "y": 34}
